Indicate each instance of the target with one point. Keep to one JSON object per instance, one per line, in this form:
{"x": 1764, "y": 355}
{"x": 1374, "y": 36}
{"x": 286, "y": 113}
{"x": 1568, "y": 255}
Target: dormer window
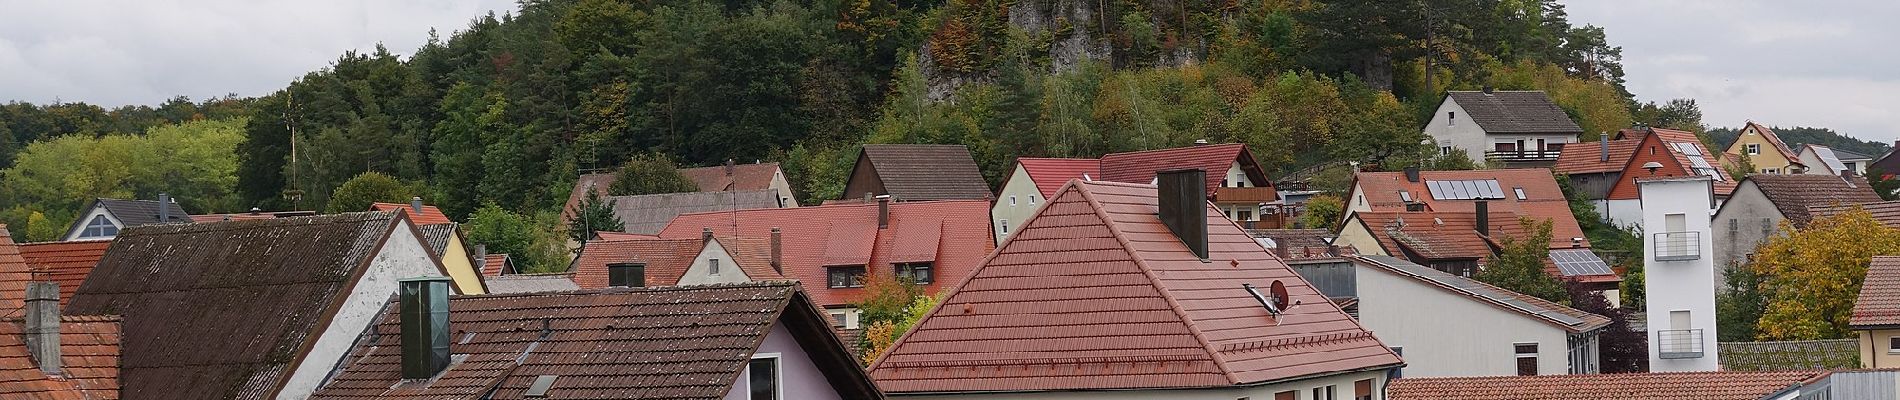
{"x": 917, "y": 272}
{"x": 844, "y": 276}
{"x": 627, "y": 275}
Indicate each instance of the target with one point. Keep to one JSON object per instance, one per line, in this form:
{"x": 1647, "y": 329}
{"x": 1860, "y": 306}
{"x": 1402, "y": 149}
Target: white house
{"x": 106, "y": 217}
{"x": 1448, "y": 325}
{"x": 1679, "y": 272}
{"x": 1823, "y": 160}
{"x": 1513, "y": 126}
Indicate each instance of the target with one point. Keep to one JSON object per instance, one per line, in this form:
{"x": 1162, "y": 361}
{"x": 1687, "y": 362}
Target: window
{"x": 1245, "y": 215}
{"x": 1225, "y": 183}
{"x": 1324, "y": 393}
{"x": 1451, "y": 118}
{"x": 849, "y": 276}
{"x": 1362, "y": 390}
{"x": 1893, "y": 345}
{"x": 627, "y": 275}
{"x": 1287, "y": 395}
{"x": 837, "y": 319}
{"x": 1444, "y": 150}
{"x": 1752, "y": 149}
{"x": 1850, "y": 166}
{"x": 1003, "y": 225}
{"x": 1652, "y": 150}
{"x": 1399, "y": 350}
{"x": 1526, "y": 358}
{"x": 1012, "y": 200}
{"x": 1520, "y": 192}
{"x": 1032, "y": 199}
{"x": 1767, "y": 227}
{"x": 99, "y": 227}
{"x": 712, "y": 266}
{"x": 1734, "y": 225}
{"x": 1405, "y": 196}
{"x": 762, "y": 378}
{"x": 918, "y": 272}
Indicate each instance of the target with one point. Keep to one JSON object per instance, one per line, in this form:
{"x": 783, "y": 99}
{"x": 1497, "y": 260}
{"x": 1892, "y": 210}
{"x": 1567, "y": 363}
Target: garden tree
{"x": 1518, "y": 265}
{"x": 1378, "y": 128}
{"x": 1887, "y": 186}
{"x": 1813, "y": 275}
{"x": 28, "y": 225}
{"x": 890, "y": 308}
{"x": 1619, "y": 348}
{"x": 1322, "y": 212}
{"x": 1740, "y": 167}
{"x": 650, "y": 173}
{"x": 1456, "y": 161}
{"x": 367, "y": 188}
{"x": 594, "y": 214}
{"x": 1678, "y": 114}
{"x": 1738, "y": 307}
{"x": 534, "y": 242}
{"x": 1599, "y": 107}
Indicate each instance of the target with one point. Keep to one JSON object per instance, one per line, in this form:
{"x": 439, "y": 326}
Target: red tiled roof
{"x": 14, "y": 274}
{"x": 1879, "y": 302}
{"x": 1438, "y": 235}
{"x": 609, "y": 235}
{"x": 88, "y": 353}
{"x": 1587, "y": 158}
{"x": 1793, "y": 194}
{"x": 848, "y": 234}
{"x": 1140, "y": 167}
{"x": 1659, "y": 145}
{"x": 1636, "y": 386}
{"x": 1050, "y": 174}
{"x": 429, "y": 215}
{"x": 752, "y": 255}
{"x": 65, "y": 262}
{"x": 686, "y": 343}
{"x": 495, "y": 264}
{"x": 1887, "y": 212}
{"x": 666, "y": 260}
{"x": 1095, "y": 293}
{"x": 1543, "y": 198}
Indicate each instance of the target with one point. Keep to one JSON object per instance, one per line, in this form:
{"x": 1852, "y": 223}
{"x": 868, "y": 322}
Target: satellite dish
{"x": 1276, "y": 300}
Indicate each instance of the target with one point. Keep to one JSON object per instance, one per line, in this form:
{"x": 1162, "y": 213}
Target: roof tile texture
{"x": 1639, "y": 386}
{"x": 65, "y": 262}
{"x": 1140, "y": 167}
{"x": 1543, "y": 198}
{"x": 915, "y": 172}
{"x": 1879, "y": 301}
{"x": 1658, "y": 145}
{"x": 89, "y": 355}
{"x": 1094, "y": 293}
{"x": 430, "y": 215}
{"x": 1515, "y": 111}
{"x": 14, "y": 274}
{"x": 1887, "y": 212}
{"x": 647, "y": 214}
{"x": 756, "y": 176}
{"x": 666, "y": 260}
{"x": 1587, "y": 157}
{"x": 1050, "y": 174}
{"x": 1439, "y": 280}
{"x": 1793, "y": 194}
{"x": 141, "y": 212}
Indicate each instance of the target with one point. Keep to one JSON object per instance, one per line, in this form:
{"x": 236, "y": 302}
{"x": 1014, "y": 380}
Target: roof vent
{"x": 1182, "y": 201}
{"x": 541, "y": 385}
{"x": 1200, "y": 142}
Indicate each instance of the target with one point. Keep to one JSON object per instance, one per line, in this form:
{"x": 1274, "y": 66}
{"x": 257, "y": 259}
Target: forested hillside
{"x": 1800, "y": 135}
{"x": 509, "y": 109}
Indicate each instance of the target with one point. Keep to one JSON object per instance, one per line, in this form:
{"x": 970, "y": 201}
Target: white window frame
{"x": 99, "y": 223}
{"x": 1891, "y": 341}
{"x": 1012, "y": 200}
{"x": 778, "y": 374}
{"x": 1751, "y": 149}
{"x": 1520, "y": 192}
{"x": 1032, "y": 200}
{"x": 1535, "y": 369}
{"x": 712, "y": 266}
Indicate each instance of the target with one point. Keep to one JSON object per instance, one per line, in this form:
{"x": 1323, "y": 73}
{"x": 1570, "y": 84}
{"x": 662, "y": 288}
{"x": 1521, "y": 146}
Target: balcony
{"x": 1522, "y": 155}
{"x": 1256, "y": 194}
{"x": 1679, "y": 343}
{"x": 1678, "y": 246}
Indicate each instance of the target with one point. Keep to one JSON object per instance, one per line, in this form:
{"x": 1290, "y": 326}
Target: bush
{"x": 370, "y": 187}
{"x": 651, "y": 173}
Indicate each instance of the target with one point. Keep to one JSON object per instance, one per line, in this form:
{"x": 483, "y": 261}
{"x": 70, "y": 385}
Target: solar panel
{"x": 1465, "y": 190}
{"x": 1688, "y": 148}
{"x": 1573, "y": 262}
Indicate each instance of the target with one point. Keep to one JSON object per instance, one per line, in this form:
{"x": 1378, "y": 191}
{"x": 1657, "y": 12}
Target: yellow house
{"x": 446, "y": 241}
{"x": 1764, "y": 150}
{"x": 1876, "y": 316}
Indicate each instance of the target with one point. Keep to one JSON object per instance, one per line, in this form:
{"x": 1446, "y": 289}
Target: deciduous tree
{"x": 650, "y": 173}
{"x": 1814, "y": 274}
{"x": 1518, "y": 265}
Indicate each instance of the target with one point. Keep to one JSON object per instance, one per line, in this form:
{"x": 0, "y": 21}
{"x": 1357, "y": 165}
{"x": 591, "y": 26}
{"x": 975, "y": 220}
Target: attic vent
{"x": 541, "y": 385}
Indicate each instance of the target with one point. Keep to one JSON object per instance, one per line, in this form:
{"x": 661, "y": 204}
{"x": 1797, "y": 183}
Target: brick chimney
{"x": 778, "y": 251}
{"x": 1411, "y": 174}
{"x": 1182, "y": 200}
{"x": 883, "y": 211}
{"x": 42, "y": 325}
{"x": 424, "y": 304}
{"x": 705, "y": 234}
{"x": 730, "y": 167}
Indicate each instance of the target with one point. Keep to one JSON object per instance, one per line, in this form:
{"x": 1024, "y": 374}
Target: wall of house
{"x": 863, "y": 180}
{"x": 784, "y": 187}
{"x": 1447, "y": 334}
{"x": 1683, "y": 285}
{"x": 1354, "y": 234}
{"x": 461, "y": 266}
{"x": 1873, "y": 348}
{"x": 1236, "y": 177}
{"x": 1018, "y": 201}
{"x": 73, "y": 232}
{"x": 1595, "y": 186}
{"x": 700, "y": 273}
{"x": 403, "y": 256}
{"x": 1621, "y": 212}
{"x": 1769, "y": 159}
{"x": 1459, "y": 132}
{"x": 1342, "y": 384}
{"x": 799, "y": 378}
{"x": 1739, "y": 226}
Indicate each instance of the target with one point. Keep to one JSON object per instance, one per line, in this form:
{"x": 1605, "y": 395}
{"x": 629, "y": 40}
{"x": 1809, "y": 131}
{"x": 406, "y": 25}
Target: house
{"x": 1519, "y": 128}
{"x": 1448, "y": 325}
{"x": 1763, "y": 201}
{"x": 674, "y": 262}
{"x": 67, "y": 263}
{"x": 647, "y": 214}
{"x": 1594, "y": 168}
{"x": 1825, "y": 160}
{"x": 1656, "y": 385}
{"x": 762, "y": 340}
{"x": 1679, "y": 273}
{"x": 1876, "y": 315}
{"x": 248, "y": 309}
{"x": 106, "y": 217}
{"x": 446, "y": 242}
{"x": 916, "y": 172}
{"x": 1886, "y": 165}
{"x": 532, "y": 283}
{"x": 1660, "y": 153}
{"x": 1134, "y": 291}
{"x": 43, "y": 354}
{"x": 1763, "y": 149}
{"x": 1244, "y": 193}
{"x": 720, "y": 178}
{"x": 494, "y": 265}
{"x": 1298, "y": 243}
{"x": 836, "y": 249}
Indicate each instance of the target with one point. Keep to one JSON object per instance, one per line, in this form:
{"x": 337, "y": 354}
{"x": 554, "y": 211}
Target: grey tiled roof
{"x": 648, "y": 214}
{"x": 438, "y": 235}
{"x": 142, "y": 212}
{"x": 919, "y": 172}
{"x": 536, "y": 283}
{"x": 1515, "y": 111}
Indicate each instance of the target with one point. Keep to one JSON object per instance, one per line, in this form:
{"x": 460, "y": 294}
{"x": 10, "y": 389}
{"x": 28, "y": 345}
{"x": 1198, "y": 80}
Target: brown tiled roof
{"x": 223, "y": 310}
{"x": 208, "y": 218}
{"x": 1095, "y": 293}
{"x": 1050, "y": 174}
{"x": 683, "y": 343}
{"x": 88, "y": 353}
{"x": 531, "y": 283}
{"x": 14, "y": 274}
{"x": 756, "y": 176}
{"x": 1515, "y": 111}
{"x": 666, "y": 260}
{"x": 1793, "y": 194}
{"x": 1587, "y": 157}
{"x": 647, "y": 214}
{"x": 1140, "y": 167}
{"x": 1527, "y": 305}
{"x": 918, "y": 172}
{"x": 1887, "y": 212}
{"x": 817, "y": 237}
{"x": 1439, "y": 235}
{"x": 1294, "y": 238}
{"x": 429, "y": 215}
{"x": 1879, "y": 302}
{"x": 1635, "y": 386}
{"x": 65, "y": 262}
{"x": 1543, "y": 198}
{"x": 438, "y": 236}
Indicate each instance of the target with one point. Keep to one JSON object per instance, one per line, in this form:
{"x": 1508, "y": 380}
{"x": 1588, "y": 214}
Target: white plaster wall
{"x": 1460, "y": 132}
{"x": 1446, "y": 334}
{"x": 784, "y": 189}
{"x": 404, "y": 256}
{"x": 1747, "y": 208}
{"x": 700, "y": 273}
{"x": 1342, "y": 384}
{"x": 1679, "y": 285}
{"x": 1357, "y": 201}
{"x": 799, "y": 377}
{"x": 73, "y": 232}
{"x": 1623, "y": 213}
{"x": 1023, "y": 190}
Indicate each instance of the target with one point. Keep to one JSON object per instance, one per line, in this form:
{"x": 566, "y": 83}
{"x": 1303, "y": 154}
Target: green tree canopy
{"x": 1519, "y": 264}
{"x": 534, "y": 242}
{"x": 367, "y": 188}
{"x": 650, "y": 173}
{"x": 593, "y": 215}
{"x": 1813, "y": 275}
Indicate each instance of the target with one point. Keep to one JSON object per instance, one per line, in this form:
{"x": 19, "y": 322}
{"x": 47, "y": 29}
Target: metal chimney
{"x": 164, "y": 208}
{"x": 424, "y": 313}
{"x": 1483, "y": 208}
{"x": 778, "y": 252}
{"x": 415, "y": 204}
{"x": 42, "y": 325}
{"x": 1604, "y": 148}
{"x": 1182, "y": 200}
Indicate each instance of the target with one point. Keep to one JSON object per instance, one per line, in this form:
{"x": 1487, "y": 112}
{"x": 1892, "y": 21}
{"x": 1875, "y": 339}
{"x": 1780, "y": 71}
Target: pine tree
{"x": 593, "y": 215}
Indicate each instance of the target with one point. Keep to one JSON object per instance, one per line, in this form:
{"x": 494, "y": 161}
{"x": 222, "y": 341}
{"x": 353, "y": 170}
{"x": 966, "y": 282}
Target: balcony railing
{"x": 1522, "y": 155}
{"x": 1679, "y": 343}
{"x": 1678, "y": 246}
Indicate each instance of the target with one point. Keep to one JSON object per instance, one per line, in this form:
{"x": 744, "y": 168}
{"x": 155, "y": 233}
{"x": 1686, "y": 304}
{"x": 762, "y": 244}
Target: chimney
{"x": 424, "y": 304}
{"x": 868, "y": 196}
{"x": 1483, "y": 208}
{"x": 1604, "y": 148}
{"x": 705, "y": 234}
{"x": 883, "y": 212}
{"x": 730, "y": 167}
{"x": 42, "y": 325}
{"x": 415, "y": 205}
{"x": 1411, "y": 174}
{"x": 1487, "y": 89}
{"x": 481, "y": 256}
{"x": 164, "y": 208}
{"x": 778, "y": 251}
{"x": 1182, "y": 197}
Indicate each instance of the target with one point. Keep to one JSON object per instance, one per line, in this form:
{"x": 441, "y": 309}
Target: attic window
{"x": 100, "y": 227}
{"x": 1753, "y": 149}
{"x": 845, "y": 276}
{"x": 1032, "y": 199}
{"x": 1451, "y": 118}
{"x": 917, "y": 272}
{"x": 541, "y": 385}
{"x": 712, "y": 266}
{"x": 762, "y": 378}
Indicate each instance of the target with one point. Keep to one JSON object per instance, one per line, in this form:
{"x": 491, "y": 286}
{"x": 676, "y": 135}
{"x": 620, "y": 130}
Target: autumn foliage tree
{"x": 1814, "y": 274}
{"x": 892, "y": 307}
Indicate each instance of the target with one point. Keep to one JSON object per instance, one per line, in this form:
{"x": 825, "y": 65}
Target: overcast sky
{"x": 1778, "y": 62}
{"x": 1826, "y": 63}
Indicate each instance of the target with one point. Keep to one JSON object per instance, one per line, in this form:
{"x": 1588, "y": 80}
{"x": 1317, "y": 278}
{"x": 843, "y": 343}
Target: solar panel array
{"x": 1465, "y": 190}
{"x": 1573, "y": 262}
{"x": 1699, "y": 164}
{"x": 1473, "y": 287}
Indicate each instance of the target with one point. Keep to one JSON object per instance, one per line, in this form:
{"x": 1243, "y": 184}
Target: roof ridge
{"x": 624, "y": 290}
{"x": 1540, "y": 316}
